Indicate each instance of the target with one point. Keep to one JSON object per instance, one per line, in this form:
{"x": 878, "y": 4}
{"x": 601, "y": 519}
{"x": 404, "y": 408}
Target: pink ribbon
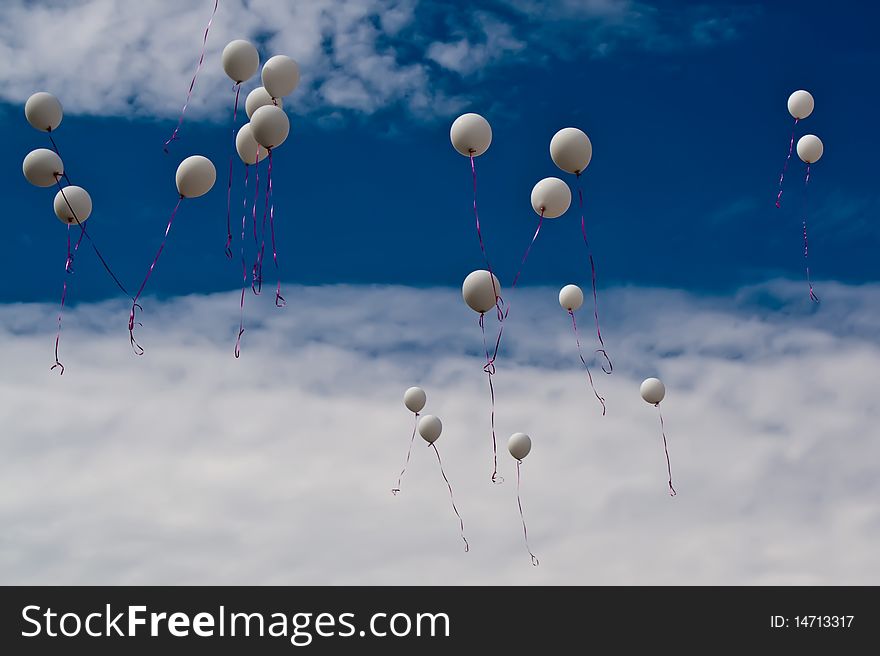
{"x": 665, "y": 450}
{"x": 499, "y": 303}
{"x": 192, "y": 84}
{"x": 489, "y": 368}
{"x": 785, "y": 166}
{"x": 396, "y": 488}
{"x": 535, "y": 561}
{"x": 813, "y": 296}
{"x": 452, "y": 498}
{"x": 256, "y": 272}
{"x": 137, "y": 348}
{"x": 229, "y": 185}
{"x": 279, "y": 299}
{"x": 577, "y": 339}
{"x": 243, "y": 263}
{"x": 68, "y": 264}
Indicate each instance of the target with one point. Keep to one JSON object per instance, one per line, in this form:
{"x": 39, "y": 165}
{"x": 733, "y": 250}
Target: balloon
{"x": 414, "y": 399}
{"x": 552, "y": 197}
{"x": 42, "y": 167}
{"x": 571, "y": 150}
{"x": 195, "y": 176}
{"x": 240, "y": 60}
{"x": 652, "y": 390}
{"x": 43, "y": 111}
{"x": 571, "y": 297}
{"x": 257, "y": 98}
{"x": 430, "y": 428}
{"x": 800, "y": 104}
{"x": 280, "y": 76}
{"x": 270, "y": 126}
{"x": 471, "y": 134}
{"x": 519, "y": 445}
{"x": 78, "y": 199}
{"x": 248, "y": 149}
{"x": 478, "y": 291}
{"x": 810, "y": 148}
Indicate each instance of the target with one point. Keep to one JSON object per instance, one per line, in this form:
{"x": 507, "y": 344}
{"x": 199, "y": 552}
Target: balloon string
{"x": 665, "y": 450}
{"x": 134, "y": 303}
{"x": 279, "y": 299}
{"x": 57, "y": 152}
{"x": 785, "y": 166}
{"x": 256, "y": 274}
{"x": 577, "y": 339}
{"x": 535, "y": 561}
{"x": 67, "y": 270}
{"x": 244, "y": 276}
{"x": 396, "y": 488}
{"x": 452, "y": 498}
{"x": 601, "y": 348}
{"x": 813, "y": 296}
{"x": 192, "y": 84}
{"x": 229, "y": 185}
{"x": 258, "y": 267}
{"x": 499, "y": 302}
{"x": 489, "y": 368}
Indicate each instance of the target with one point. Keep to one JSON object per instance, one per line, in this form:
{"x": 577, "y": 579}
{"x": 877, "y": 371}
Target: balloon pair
{"x": 268, "y": 128}
{"x": 810, "y": 150}
{"x": 429, "y": 428}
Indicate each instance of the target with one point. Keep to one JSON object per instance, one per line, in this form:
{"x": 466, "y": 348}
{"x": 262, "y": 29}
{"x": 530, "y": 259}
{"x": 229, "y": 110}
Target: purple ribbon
{"x": 577, "y": 339}
{"x": 243, "y": 262}
{"x": 229, "y": 185}
{"x": 489, "y": 368}
{"x": 499, "y": 303}
{"x": 396, "y": 488}
{"x": 279, "y": 299}
{"x": 665, "y": 450}
{"x": 785, "y": 166}
{"x": 813, "y": 296}
{"x": 452, "y": 498}
{"x": 256, "y": 272}
{"x": 535, "y": 561}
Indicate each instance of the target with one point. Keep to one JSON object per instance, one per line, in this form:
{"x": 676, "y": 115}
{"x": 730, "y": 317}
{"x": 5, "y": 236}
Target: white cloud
{"x": 187, "y": 466}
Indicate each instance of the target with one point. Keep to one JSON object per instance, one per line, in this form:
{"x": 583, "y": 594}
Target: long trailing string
{"x": 785, "y": 165}
{"x": 665, "y": 450}
{"x": 137, "y": 348}
{"x": 258, "y": 266}
{"x": 229, "y": 185}
{"x": 577, "y": 340}
{"x": 396, "y": 488}
{"x": 499, "y": 302}
{"x": 256, "y": 275}
{"x": 452, "y": 498}
{"x": 601, "y": 350}
{"x": 813, "y": 296}
{"x": 67, "y": 270}
{"x": 489, "y": 368}
{"x": 244, "y": 274}
{"x": 192, "y": 84}
{"x": 279, "y": 299}
{"x": 535, "y": 561}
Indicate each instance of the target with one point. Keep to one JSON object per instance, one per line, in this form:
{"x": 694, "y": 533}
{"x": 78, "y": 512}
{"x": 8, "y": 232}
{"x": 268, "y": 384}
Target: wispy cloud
{"x": 188, "y": 466}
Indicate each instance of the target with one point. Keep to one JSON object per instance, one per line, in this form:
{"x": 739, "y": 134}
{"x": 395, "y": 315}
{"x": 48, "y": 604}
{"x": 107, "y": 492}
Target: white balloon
{"x": 43, "y": 111}
{"x": 415, "y": 399}
{"x": 258, "y": 98}
{"x": 280, "y": 76}
{"x": 810, "y": 148}
{"x": 571, "y": 297}
{"x": 42, "y": 167}
{"x": 800, "y": 104}
{"x": 270, "y": 126}
{"x": 480, "y": 290}
{"x": 519, "y": 445}
{"x": 652, "y": 390}
{"x": 248, "y": 149}
{"x": 195, "y": 176}
{"x": 240, "y": 60}
{"x": 571, "y": 150}
{"x": 77, "y": 207}
{"x": 552, "y": 197}
{"x": 430, "y": 428}
{"x": 471, "y": 134}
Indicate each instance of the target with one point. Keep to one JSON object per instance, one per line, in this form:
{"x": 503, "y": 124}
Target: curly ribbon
{"x": 258, "y": 265}
{"x": 229, "y": 186}
{"x": 577, "y": 339}
{"x": 137, "y": 348}
{"x": 601, "y": 348}
{"x": 256, "y": 272}
{"x": 665, "y": 450}
{"x": 535, "y": 561}
{"x": 489, "y": 368}
{"x": 192, "y": 84}
{"x": 67, "y": 270}
{"x": 499, "y": 302}
{"x": 396, "y": 488}
{"x": 452, "y": 498}
{"x": 243, "y": 262}
{"x": 813, "y": 296}
{"x": 279, "y": 299}
{"x": 785, "y": 166}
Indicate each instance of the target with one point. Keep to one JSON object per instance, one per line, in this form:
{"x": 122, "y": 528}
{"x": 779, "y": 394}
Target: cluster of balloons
{"x": 267, "y": 129}
{"x": 429, "y": 428}
{"x": 810, "y": 150}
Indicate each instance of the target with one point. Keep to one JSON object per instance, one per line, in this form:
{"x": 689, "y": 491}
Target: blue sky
{"x": 687, "y": 119}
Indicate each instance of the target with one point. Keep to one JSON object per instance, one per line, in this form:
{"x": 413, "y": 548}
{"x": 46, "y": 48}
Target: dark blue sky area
{"x": 688, "y": 144}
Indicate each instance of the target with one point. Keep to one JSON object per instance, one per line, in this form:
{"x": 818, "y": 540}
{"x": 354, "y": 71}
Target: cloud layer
{"x": 187, "y": 466}
{"x": 109, "y": 57}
